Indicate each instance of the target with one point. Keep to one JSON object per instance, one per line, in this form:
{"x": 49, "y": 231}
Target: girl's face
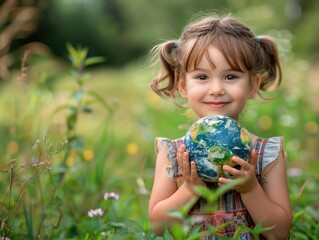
{"x": 220, "y": 90}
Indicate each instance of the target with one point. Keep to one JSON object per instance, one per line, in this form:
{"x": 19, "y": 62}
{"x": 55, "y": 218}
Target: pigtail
{"x": 167, "y": 55}
{"x": 270, "y": 68}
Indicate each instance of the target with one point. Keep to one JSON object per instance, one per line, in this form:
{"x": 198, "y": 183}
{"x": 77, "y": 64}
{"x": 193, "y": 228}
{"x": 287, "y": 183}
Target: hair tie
{"x": 258, "y": 39}
{"x": 176, "y": 44}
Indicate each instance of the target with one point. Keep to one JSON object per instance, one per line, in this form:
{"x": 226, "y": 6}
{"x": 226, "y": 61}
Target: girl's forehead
{"x": 210, "y": 57}
{"x": 196, "y": 50}
{"x": 193, "y": 53}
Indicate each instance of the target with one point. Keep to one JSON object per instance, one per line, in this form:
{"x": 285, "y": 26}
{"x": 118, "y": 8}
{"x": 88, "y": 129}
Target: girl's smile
{"x": 216, "y": 104}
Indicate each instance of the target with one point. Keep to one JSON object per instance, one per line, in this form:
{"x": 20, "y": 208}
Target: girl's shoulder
{"x": 272, "y": 146}
{"x": 269, "y": 152}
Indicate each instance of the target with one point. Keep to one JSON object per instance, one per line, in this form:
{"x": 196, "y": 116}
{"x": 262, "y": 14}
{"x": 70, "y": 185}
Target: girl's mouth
{"x": 216, "y": 104}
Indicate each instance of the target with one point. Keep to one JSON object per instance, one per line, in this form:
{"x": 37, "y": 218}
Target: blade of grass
{"x": 28, "y": 220}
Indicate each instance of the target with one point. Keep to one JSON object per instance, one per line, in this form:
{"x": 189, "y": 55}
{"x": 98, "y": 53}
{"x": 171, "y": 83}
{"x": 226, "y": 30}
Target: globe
{"x": 211, "y": 142}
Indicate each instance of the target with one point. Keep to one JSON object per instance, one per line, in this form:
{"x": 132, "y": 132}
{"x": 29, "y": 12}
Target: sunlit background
{"x": 52, "y": 188}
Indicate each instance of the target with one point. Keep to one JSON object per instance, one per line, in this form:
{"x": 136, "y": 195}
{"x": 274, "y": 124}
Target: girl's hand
{"x": 246, "y": 171}
{"x": 188, "y": 169}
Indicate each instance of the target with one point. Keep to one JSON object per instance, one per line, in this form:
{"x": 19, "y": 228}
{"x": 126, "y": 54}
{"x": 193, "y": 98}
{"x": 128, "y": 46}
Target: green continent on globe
{"x": 244, "y": 136}
{"x": 219, "y": 155}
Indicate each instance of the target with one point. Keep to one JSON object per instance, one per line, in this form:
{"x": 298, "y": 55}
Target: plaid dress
{"x": 230, "y": 208}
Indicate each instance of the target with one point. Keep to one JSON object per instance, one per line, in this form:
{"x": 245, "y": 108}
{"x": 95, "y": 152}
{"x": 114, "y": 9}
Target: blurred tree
{"x": 96, "y": 24}
{"x": 123, "y": 30}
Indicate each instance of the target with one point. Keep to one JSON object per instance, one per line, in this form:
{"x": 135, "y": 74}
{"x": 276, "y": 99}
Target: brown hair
{"x": 241, "y": 48}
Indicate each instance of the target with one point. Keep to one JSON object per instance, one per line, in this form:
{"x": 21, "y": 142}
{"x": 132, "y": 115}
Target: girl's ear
{"x": 254, "y": 86}
{"x": 182, "y": 89}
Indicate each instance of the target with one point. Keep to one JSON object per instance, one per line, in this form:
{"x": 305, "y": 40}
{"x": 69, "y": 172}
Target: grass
{"x": 49, "y": 183}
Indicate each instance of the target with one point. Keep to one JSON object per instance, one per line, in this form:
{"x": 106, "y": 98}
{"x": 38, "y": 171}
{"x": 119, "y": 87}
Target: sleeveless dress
{"x": 230, "y": 208}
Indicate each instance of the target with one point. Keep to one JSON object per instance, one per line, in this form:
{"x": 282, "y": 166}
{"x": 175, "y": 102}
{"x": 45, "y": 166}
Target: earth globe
{"x": 211, "y": 142}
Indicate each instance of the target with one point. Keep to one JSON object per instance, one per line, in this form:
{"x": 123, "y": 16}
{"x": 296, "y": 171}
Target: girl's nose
{"x": 216, "y": 87}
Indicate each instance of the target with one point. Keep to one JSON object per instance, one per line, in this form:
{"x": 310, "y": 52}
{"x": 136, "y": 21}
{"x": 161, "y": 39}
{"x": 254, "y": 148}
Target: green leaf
{"x": 178, "y": 232}
{"x": 93, "y": 60}
{"x": 77, "y": 56}
{"x": 118, "y": 224}
{"x": 167, "y": 235}
{"x": 58, "y": 201}
{"x": 206, "y": 193}
{"x": 28, "y": 220}
{"x": 196, "y": 233}
{"x": 176, "y": 214}
{"x": 78, "y": 95}
{"x": 101, "y": 100}
{"x": 237, "y": 233}
{"x": 257, "y": 230}
{"x": 297, "y": 216}
{"x": 72, "y": 51}
{"x": 62, "y": 107}
{"x": 71, "y": 121}
{"x": 228, "y": 186}
{"x": 86, "y": 109}
{"x": 83, "y": 78}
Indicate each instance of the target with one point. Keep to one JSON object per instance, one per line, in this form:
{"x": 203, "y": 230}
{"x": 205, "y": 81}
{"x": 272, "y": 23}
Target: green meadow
{"x": 77, "y": 149}
{"x": 77, "y": 132}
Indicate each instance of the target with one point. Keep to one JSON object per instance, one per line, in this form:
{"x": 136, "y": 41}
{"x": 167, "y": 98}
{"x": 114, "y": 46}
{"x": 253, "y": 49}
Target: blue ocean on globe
{"x": 211, "y": 142}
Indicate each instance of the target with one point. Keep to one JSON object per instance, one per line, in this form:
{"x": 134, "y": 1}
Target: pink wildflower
{"x": 294, "y": 172}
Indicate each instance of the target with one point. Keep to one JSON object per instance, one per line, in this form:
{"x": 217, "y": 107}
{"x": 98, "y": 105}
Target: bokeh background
{"x": 72, "y": 133}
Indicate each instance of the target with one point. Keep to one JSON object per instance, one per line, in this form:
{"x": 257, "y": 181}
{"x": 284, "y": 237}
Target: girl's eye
{"x": 201, "y": 77}
{"x": 231, "y": 77}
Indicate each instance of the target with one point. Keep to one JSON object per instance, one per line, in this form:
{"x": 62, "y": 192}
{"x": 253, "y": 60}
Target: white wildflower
{"x": 111, "y": 195}
{"x": 95, "y": 212}
{"x": 142, "y": 191}
{"x": 141, "y": 186}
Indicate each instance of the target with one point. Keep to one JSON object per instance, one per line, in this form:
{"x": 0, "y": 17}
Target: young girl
{"x": 217, "y": 65}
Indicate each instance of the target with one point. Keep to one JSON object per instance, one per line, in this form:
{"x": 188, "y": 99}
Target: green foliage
{"x": 187, "y": 231}
{"x": 51, "y": 166}
{"x": 304, "y": 189}
{"x": 77, "y": 164}
{"x": 125, "y": 30}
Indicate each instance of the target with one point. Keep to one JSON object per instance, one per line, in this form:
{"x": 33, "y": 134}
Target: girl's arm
{"x": 268, "y": 202}
{"x": 165, "y": 195}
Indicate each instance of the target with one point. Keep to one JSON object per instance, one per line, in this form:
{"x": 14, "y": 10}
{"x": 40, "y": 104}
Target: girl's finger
{"x": 235, "y": 172}
{"x": 244, "y": 165}
{"x": 179, "y": 155}
{"x": 193, "y": 170}
{"x": 253, "y": 158}
{"x": 222, "y": 181}
{"x": 185, "y": 163}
